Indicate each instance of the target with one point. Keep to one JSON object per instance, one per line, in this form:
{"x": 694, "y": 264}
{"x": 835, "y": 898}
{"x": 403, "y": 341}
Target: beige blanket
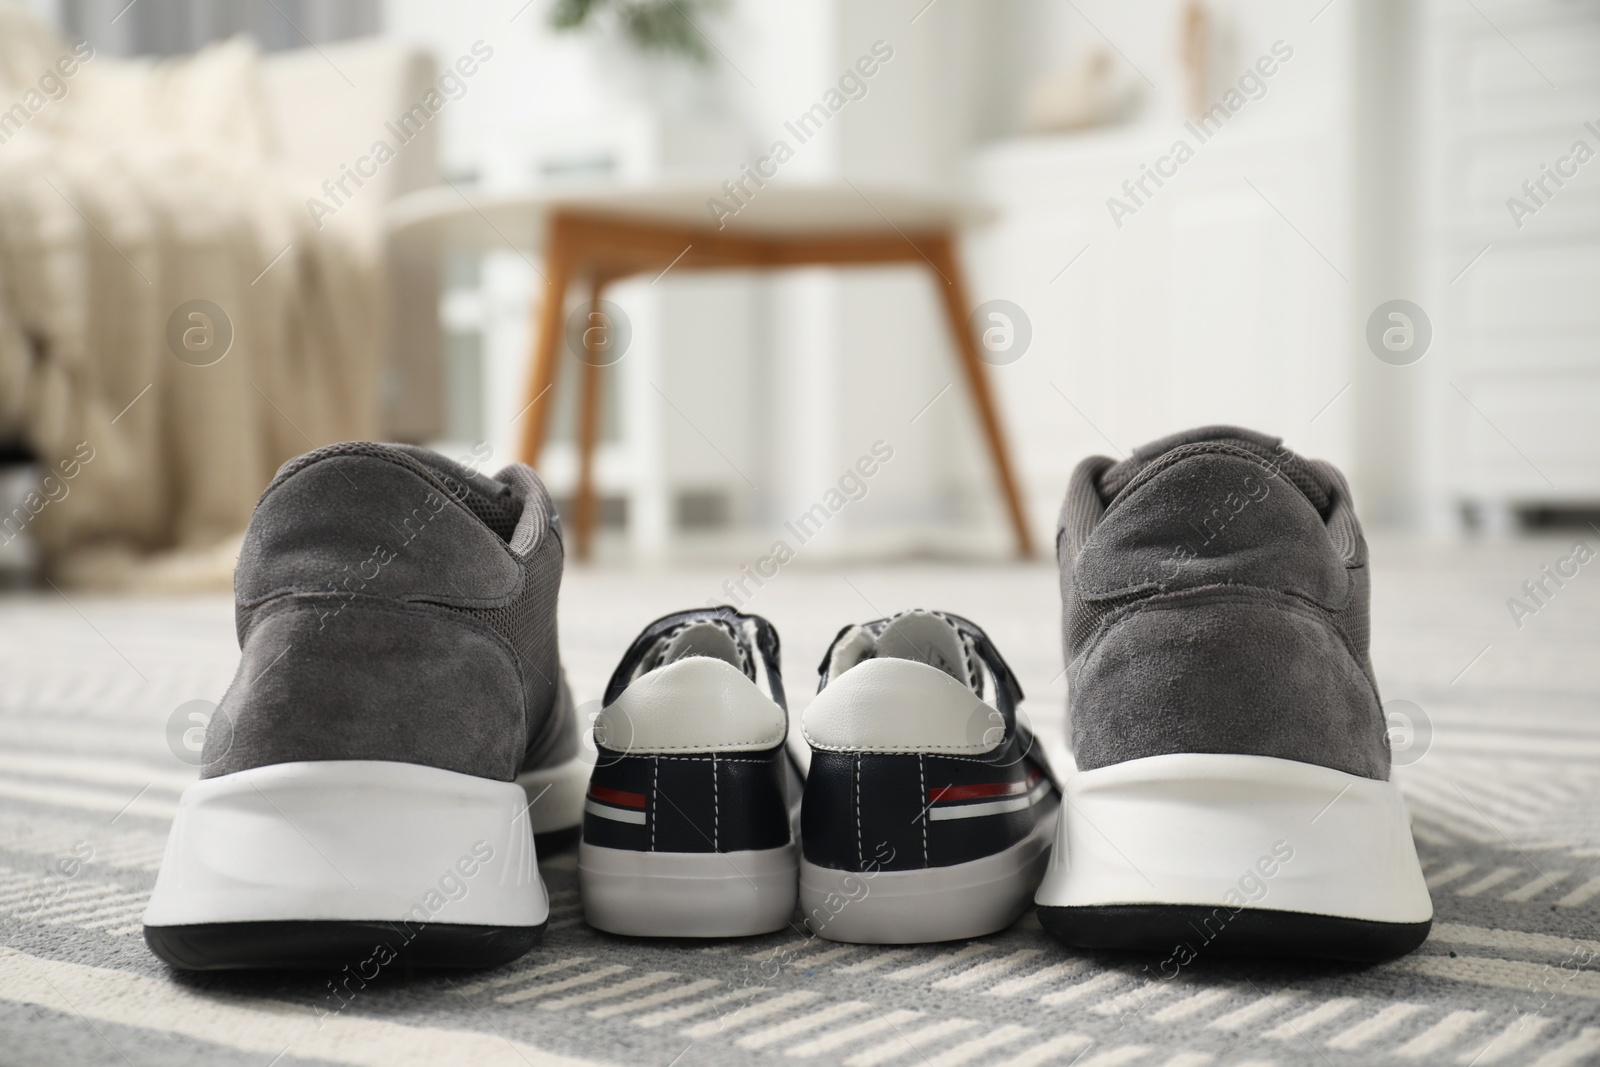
{"x": 127, "y": 191}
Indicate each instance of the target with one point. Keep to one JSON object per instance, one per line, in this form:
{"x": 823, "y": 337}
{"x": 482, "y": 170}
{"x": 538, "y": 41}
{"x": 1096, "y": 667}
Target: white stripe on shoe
{"x": 606, "y": 811}
{"x": 942, "y": 813}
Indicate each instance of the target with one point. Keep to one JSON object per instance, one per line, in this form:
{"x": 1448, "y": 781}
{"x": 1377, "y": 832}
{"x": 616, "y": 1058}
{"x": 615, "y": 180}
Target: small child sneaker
{"x": 688, "y": 827}
{"x": 929, "y": 809}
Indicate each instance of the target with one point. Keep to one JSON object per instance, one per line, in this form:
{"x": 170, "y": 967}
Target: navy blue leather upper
{"x": 693, "y": 801}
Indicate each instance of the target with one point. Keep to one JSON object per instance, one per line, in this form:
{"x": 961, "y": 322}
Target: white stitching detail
{"x": 969, "y": 648}
{"x": 655, "y": 794}
{"x": 912, "y": 752}
{"x": 713, "y": 756}
{"x": 716, "y": 808}
{"x": 860, "y": 855}
{"x": 922, "y": 800}
{"x": 755, "y": 744}
{"x": 974, "y": 748}
{"x": 971, "y": 759}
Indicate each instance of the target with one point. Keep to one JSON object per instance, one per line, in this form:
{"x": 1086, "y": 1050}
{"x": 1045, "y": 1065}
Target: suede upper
{"x": 394, "y": 605}
{"x": 1215, "y": 599}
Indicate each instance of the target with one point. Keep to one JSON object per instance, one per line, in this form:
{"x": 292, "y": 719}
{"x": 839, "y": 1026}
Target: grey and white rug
{"x": 1503, "y": 775}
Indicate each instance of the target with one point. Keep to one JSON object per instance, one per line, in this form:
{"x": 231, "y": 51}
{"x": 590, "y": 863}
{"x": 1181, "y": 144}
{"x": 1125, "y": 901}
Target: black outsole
{"x": 300, "y": 944}
{"x": 1190, "y": 931}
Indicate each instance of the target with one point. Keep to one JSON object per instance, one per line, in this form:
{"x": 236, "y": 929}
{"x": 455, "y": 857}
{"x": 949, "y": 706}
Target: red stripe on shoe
{"x": 986, "y": 789}
{"x": 616, "y": 796}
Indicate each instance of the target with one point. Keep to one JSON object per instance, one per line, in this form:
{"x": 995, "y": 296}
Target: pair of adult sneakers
{"x": 400, "y": 731}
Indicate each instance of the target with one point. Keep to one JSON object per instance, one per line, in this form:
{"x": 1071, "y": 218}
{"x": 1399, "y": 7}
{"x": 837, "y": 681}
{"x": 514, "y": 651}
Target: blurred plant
{"x": 663, "y": 26}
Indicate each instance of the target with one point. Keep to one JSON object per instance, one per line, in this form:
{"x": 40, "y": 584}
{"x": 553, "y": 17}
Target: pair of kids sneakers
{"x": 399, "y": 733}
{"x": 916, "y": 808}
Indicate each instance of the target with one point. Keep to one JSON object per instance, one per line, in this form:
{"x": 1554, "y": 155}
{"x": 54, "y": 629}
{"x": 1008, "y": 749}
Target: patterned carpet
{"x": 1504, "y": 797}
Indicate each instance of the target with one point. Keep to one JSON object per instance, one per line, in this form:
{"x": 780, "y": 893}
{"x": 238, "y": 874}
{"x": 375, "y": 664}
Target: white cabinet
{"x": 1221, "y": 299}
{"x": 1509, "y": 92}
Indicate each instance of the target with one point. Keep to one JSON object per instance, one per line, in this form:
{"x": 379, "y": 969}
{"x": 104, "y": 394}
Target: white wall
{"x": 1387, "y": 403}
{"x": 1509, "y": 391}
{"x": 1226, "y": 296}
{"x": 858, "y": 354}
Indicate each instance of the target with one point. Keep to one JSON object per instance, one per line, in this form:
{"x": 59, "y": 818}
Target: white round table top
{"x": 462, "y": 217}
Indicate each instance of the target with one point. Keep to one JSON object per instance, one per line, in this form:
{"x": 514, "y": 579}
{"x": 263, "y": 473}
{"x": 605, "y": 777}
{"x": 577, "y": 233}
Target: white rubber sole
{"x": 1239, "y": 832}
{"x": 932, "y": 904}
{"x": 687, "y": 894}
{"x": 554, "y": 795}
{"x": 349, "y": 840}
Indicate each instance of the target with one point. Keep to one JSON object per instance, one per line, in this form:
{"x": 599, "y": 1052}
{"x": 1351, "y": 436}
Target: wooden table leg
{"x": 589, "y": 421}
{"x": 953, "y": 294}
{"x": 544, "y": 344}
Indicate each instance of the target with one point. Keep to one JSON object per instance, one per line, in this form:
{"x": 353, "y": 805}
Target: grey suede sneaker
{"x": 366, "y": 781}
{"x": 1232, "y": 792}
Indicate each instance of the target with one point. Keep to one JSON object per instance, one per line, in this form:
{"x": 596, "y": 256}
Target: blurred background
{"x": 234, "y": 230}
{"x": 1369, "y": 227}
